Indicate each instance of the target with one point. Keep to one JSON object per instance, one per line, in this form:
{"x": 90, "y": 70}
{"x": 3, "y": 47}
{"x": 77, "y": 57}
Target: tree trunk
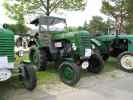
{"x": 48, "y": 8}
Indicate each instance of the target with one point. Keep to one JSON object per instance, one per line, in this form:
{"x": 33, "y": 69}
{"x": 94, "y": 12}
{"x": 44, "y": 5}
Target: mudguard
{"x": 96, "y": 42}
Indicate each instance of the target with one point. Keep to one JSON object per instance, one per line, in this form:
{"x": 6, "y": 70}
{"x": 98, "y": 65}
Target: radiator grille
{"x": 7, "y": 46}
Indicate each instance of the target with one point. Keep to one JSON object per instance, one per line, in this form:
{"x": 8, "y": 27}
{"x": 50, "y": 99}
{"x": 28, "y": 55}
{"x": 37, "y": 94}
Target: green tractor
{"x": 8, "y": 68}
{"x": 120, "y": 46}
{"x": 71, "y": 51}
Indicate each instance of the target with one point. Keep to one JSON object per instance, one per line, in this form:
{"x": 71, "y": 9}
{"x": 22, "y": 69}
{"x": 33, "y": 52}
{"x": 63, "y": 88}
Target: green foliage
{"x": 97, "y": 25}
{"x": 121, "y": 11}
{"x": 45, "y": 6}
{"x": 114, "y": 7}
{"x": 117, "y": 10}
{"x": 107, "y": 8}
{"x": 74, "y": 4}
{"x": 2, "y": 98}
{"x": 128, "y": 23}
{"x": 129, "y": 28}
{"x": 15, "y": 11}
{"x": 18, "y": 28}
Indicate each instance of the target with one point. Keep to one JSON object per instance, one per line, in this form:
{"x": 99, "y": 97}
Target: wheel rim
{"x": 127, "y": 62}
{"x": 68, "y": 73}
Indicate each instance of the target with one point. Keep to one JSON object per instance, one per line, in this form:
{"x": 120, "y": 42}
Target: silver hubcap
{"x": 127, "y": 62}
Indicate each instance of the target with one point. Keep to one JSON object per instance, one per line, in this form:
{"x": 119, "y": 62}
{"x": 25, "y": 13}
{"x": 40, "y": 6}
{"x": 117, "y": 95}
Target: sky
{"x": 74, "y": 18}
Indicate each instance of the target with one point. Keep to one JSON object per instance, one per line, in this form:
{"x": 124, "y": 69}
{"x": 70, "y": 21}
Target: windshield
{"x": 57, "y": 27}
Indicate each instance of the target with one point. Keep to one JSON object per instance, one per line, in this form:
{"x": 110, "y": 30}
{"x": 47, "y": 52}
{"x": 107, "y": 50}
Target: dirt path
{"x": 53, "y": 90}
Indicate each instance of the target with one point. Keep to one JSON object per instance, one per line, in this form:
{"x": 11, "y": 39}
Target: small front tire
{"x": 69, "y": 73}
{"x": 28, "y": 76}
{"x": 96, "y": 64}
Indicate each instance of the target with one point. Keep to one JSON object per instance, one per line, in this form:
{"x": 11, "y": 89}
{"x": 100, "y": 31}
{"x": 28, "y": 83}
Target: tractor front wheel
{"x": 69, "y": 73}
{"x": 96, "y": 64}
{"x": 28, "y": 76}
{"x": 125, "y": 61}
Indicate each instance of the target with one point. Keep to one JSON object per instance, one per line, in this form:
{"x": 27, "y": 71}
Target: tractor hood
{"x": 68, "y": 35}
{"x": 111, "y": 37}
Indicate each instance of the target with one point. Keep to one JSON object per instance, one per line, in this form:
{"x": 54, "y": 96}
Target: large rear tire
{"x": 125, "y": 61}
{"x": 69, "y": 73}
{"x": 96, "y": 64}
{"x": 28, "y": 76}
{"x": 38, "y": 58}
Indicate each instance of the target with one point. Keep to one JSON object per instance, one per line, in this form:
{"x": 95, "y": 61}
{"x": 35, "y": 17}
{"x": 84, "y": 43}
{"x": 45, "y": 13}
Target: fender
{"x": 96, "y": 42}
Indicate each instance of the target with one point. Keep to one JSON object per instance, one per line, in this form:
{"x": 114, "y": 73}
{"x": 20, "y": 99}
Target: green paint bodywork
{"x": 7, "y": 44}
{"x": 96, "y": 42}
{"x": 107, "y": 39}
{"x": 81, "y": 39}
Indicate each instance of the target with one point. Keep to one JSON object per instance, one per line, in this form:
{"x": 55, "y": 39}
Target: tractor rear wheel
{"x": 28, "y": 76}
{"x": 69, "y": 73}
{"x": 125, "y": 61}
{"x": 38, "y": 57}
{"x": 96, "y": 64}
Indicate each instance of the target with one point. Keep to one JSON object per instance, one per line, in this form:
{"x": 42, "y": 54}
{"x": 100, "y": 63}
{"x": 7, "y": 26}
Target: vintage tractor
{"x": 8, "y": 68}
{"x": 120, "y": 46}
{"x": 69, "y": 50}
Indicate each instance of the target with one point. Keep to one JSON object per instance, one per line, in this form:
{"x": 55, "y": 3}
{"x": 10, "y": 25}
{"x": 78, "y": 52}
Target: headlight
{"x": 88, "y": 52}
{"x": 85, "y": 65}
{"x": 74, "y": 47}
{"x": 93, "y": 46}
{"x": 5, "y": 74}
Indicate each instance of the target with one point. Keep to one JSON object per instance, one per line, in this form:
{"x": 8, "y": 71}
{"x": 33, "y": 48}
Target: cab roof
{"x": 47, "y": 20}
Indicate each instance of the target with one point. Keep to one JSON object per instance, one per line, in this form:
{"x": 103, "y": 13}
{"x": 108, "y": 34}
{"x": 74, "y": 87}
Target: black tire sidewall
{"x": 94, "y": 59}
{"x": 34, "y": 51}
{"x": 30, "y": 70}
{"x": 41, "y": 57}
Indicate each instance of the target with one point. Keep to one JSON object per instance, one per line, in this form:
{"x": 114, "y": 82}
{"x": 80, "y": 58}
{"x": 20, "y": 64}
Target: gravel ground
{"x": 105, "y": 85}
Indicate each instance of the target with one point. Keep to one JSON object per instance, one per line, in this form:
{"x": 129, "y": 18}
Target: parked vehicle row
{"x": 71, "y": 52}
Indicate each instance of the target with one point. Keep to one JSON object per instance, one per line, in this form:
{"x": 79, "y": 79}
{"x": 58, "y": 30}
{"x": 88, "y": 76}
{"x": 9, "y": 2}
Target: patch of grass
{"x": 48, "y": 76}
{"x": 43, "y": 76}
{"x": 110, "y": 65}
{"x": 2, "y": 98}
